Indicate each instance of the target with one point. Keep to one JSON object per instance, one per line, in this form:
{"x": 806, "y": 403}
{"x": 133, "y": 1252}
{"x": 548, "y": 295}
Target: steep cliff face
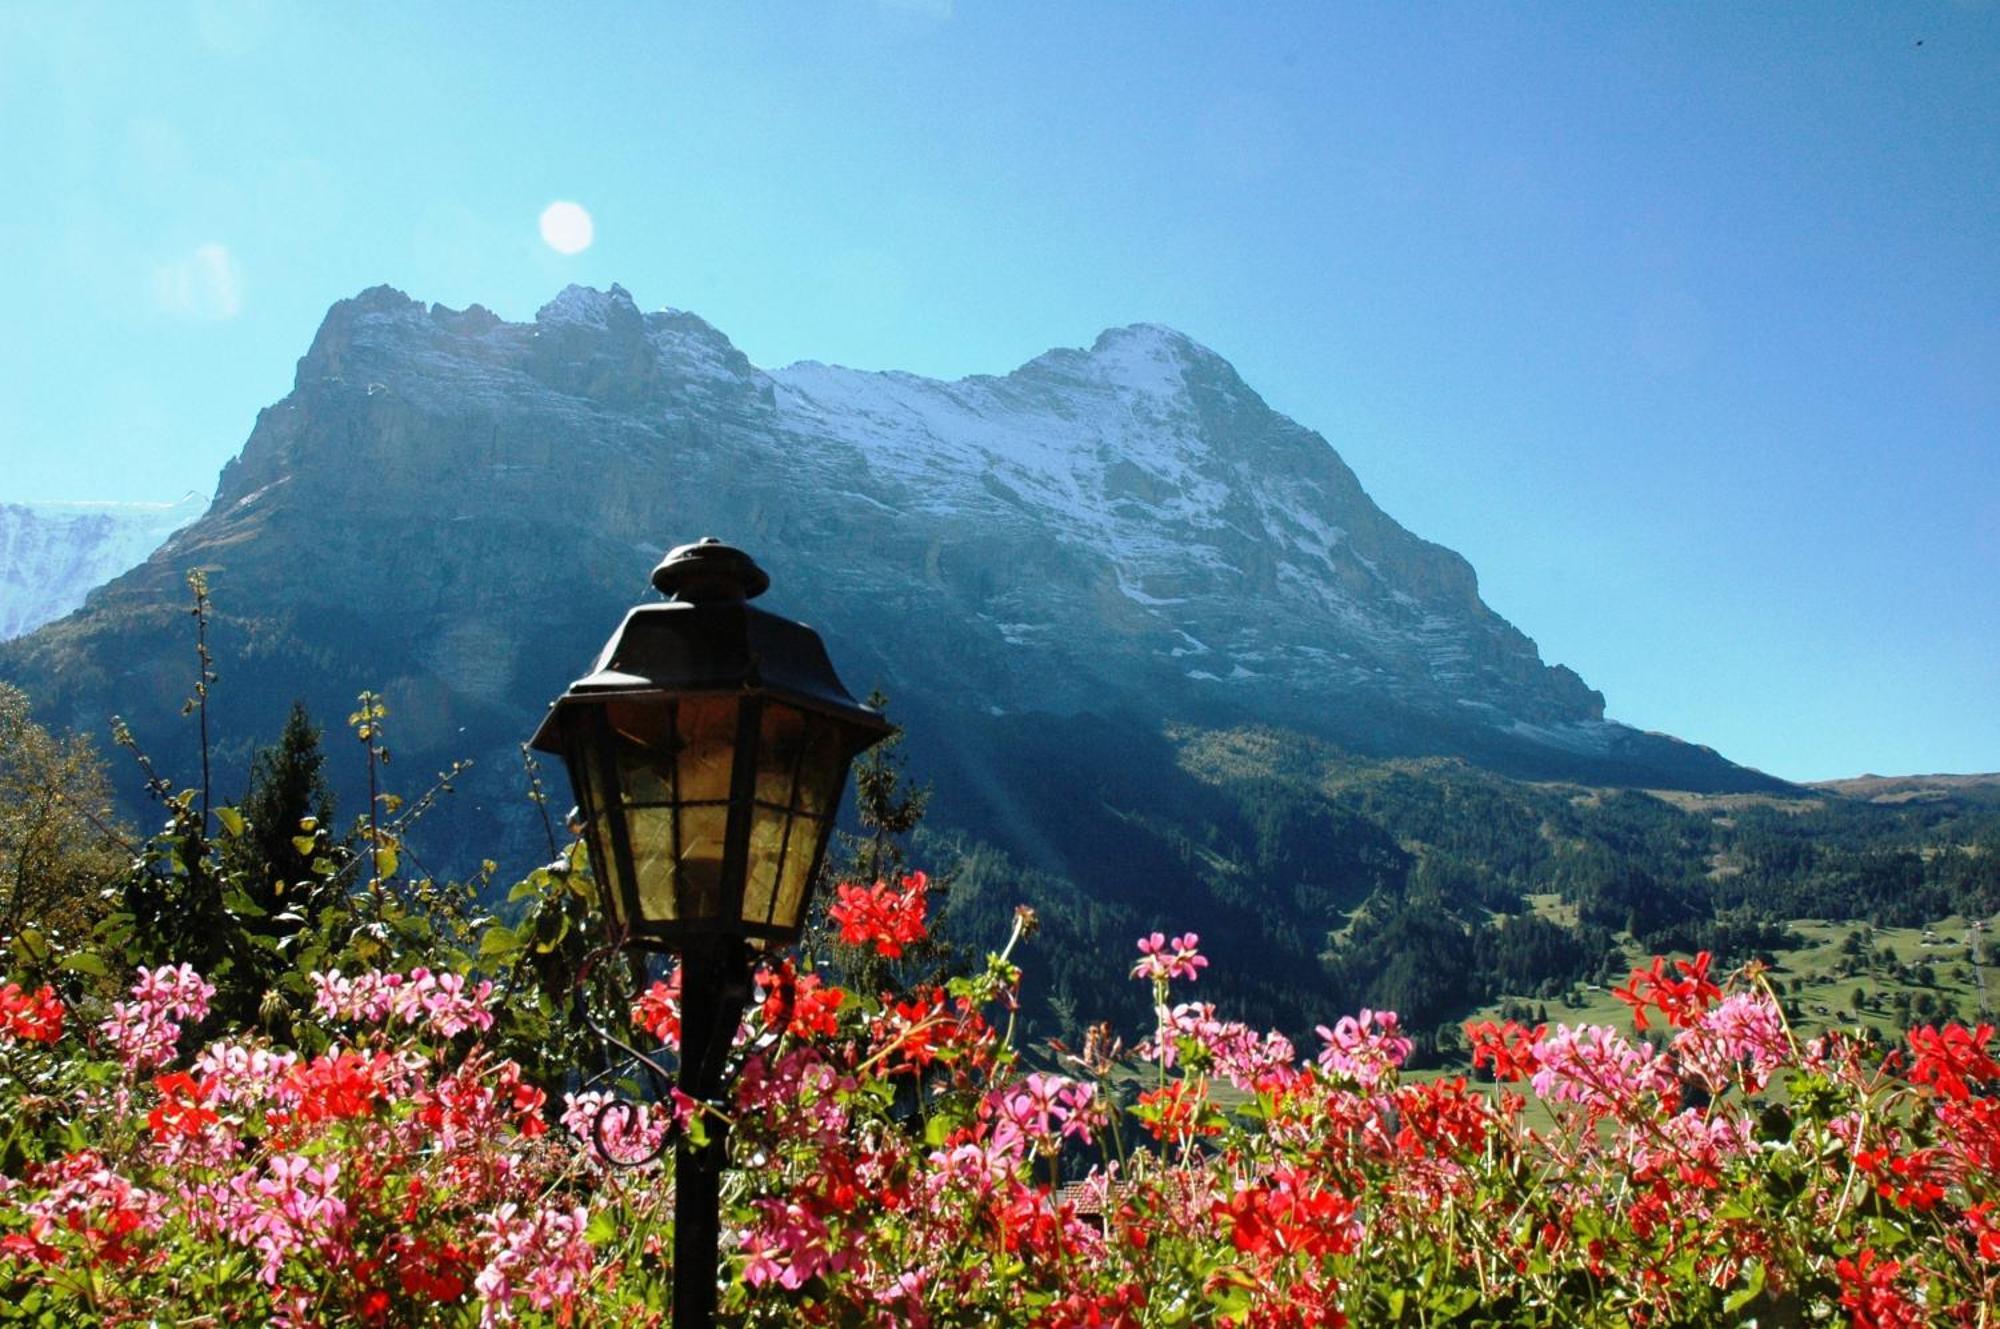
{"x": 54, "y": 554}
{"x": 452, "y": 509}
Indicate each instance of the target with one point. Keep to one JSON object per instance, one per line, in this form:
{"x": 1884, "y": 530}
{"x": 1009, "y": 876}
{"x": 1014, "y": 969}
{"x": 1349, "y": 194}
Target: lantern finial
{"x": 709, "y": 571}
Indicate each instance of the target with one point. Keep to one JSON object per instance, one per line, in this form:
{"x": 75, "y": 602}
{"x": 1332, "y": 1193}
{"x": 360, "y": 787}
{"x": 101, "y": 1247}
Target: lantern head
{"x": 708, "y": 748}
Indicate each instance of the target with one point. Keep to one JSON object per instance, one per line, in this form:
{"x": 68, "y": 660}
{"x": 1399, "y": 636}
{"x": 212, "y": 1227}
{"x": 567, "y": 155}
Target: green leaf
{"x": 237, "y": 902}
{"x": 498, "y": 942}
{"x": 304, "y": 843}
{"x": 386, "y": 863}
{"x": 1450, "y": 1302}
{"x": 602, "y": 1230}
{"x": 1743, "y": 1296}
{"x": 231, "y": 819}
{"x": 1231, "y": 1298}
{"x": 86, "y": 962}
{"x": 116, "y": 928}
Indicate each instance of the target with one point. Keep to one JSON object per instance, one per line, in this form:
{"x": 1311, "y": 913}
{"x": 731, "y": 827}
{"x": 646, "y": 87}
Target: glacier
{"x": 53, "y": 554}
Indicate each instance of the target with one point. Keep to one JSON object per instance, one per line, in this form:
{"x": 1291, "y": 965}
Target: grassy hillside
{"x": 1437, "y": 889}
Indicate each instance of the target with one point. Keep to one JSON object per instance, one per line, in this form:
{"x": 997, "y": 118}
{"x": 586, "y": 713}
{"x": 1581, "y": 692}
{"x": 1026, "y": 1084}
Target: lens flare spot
{"x": 567, "y": 228}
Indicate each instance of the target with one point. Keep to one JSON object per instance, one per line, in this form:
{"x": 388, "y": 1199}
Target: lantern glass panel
{"x": 796, "y": 872}
{"x": 781, "y": 742}
{"x": 653, "y": 863}
{"x": 823, "y": 770}
{"x": 703, "y": 834}
{"x": 684, "y": 883}
{"x": 767, "y": 847}
{"x": 707, "y": 747}
{"x": 644, "y": 734}
{"x": 590, "y": 795}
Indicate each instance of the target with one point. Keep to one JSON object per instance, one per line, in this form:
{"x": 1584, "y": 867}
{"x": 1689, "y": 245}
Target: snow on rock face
{"x": 1125, "y": 434}
{"x": 1203, "y": 511}
{"x": 582, "y": 304}
{"x": 54, "y": 554}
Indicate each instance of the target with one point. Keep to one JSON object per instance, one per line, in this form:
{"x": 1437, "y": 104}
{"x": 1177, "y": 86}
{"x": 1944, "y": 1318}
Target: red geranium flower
{"x": 1949, "y": 1057}
{"x": 1681, "y": 1000}
{"x": 658, "y": 1010}
{"x": 1868, "y": 1291}
{"x": 1509, "y": 1047}
{"x": 183, "y": 1106}
{"x": 35, "y": 1016}
{"x": 883, "y": 916}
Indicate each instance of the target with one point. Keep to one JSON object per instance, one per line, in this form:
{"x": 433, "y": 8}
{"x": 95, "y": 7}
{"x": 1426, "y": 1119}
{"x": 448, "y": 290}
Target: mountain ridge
{"x": 452, "y": 508}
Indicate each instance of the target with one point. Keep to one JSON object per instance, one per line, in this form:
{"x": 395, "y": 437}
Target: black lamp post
{"x": 708, "y": 748}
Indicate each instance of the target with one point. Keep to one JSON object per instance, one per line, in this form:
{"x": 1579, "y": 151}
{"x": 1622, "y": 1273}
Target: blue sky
{"x": 1681, "y": 322}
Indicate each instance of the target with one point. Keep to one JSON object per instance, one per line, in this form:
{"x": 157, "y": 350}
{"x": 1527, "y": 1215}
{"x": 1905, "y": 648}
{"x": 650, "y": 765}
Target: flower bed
{"x": 897, "y": 1160}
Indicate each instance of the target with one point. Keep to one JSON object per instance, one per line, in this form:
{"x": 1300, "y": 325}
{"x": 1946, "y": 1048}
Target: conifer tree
{"x": 888, "y": 805}
{"x": 287, "y": 786}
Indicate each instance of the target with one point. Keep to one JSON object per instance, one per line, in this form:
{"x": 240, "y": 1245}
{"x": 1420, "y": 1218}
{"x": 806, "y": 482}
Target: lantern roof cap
{"x": 708, "y": 638}
{"x": 708, "y": 571}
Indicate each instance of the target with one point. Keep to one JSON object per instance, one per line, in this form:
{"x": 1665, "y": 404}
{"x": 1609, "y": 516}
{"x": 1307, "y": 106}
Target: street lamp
{"x": 708, "y": 747}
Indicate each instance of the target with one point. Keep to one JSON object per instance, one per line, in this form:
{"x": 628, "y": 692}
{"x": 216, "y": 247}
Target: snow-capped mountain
{"x": 1129, "y": 517}
{"x": 453, "y": 509}
{"x": 54, "y": 554}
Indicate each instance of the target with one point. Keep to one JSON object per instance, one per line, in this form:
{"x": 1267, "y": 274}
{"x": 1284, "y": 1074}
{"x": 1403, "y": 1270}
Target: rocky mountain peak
{"x": 381, "y": 299}
{"x": 348, "y": 320}
{"x": 1154, "y": 345}
{"x": 589, "y": 307}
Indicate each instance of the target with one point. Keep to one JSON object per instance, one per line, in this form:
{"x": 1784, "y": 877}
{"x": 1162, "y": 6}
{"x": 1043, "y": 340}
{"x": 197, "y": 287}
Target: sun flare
{"x": 567, "y": 228}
